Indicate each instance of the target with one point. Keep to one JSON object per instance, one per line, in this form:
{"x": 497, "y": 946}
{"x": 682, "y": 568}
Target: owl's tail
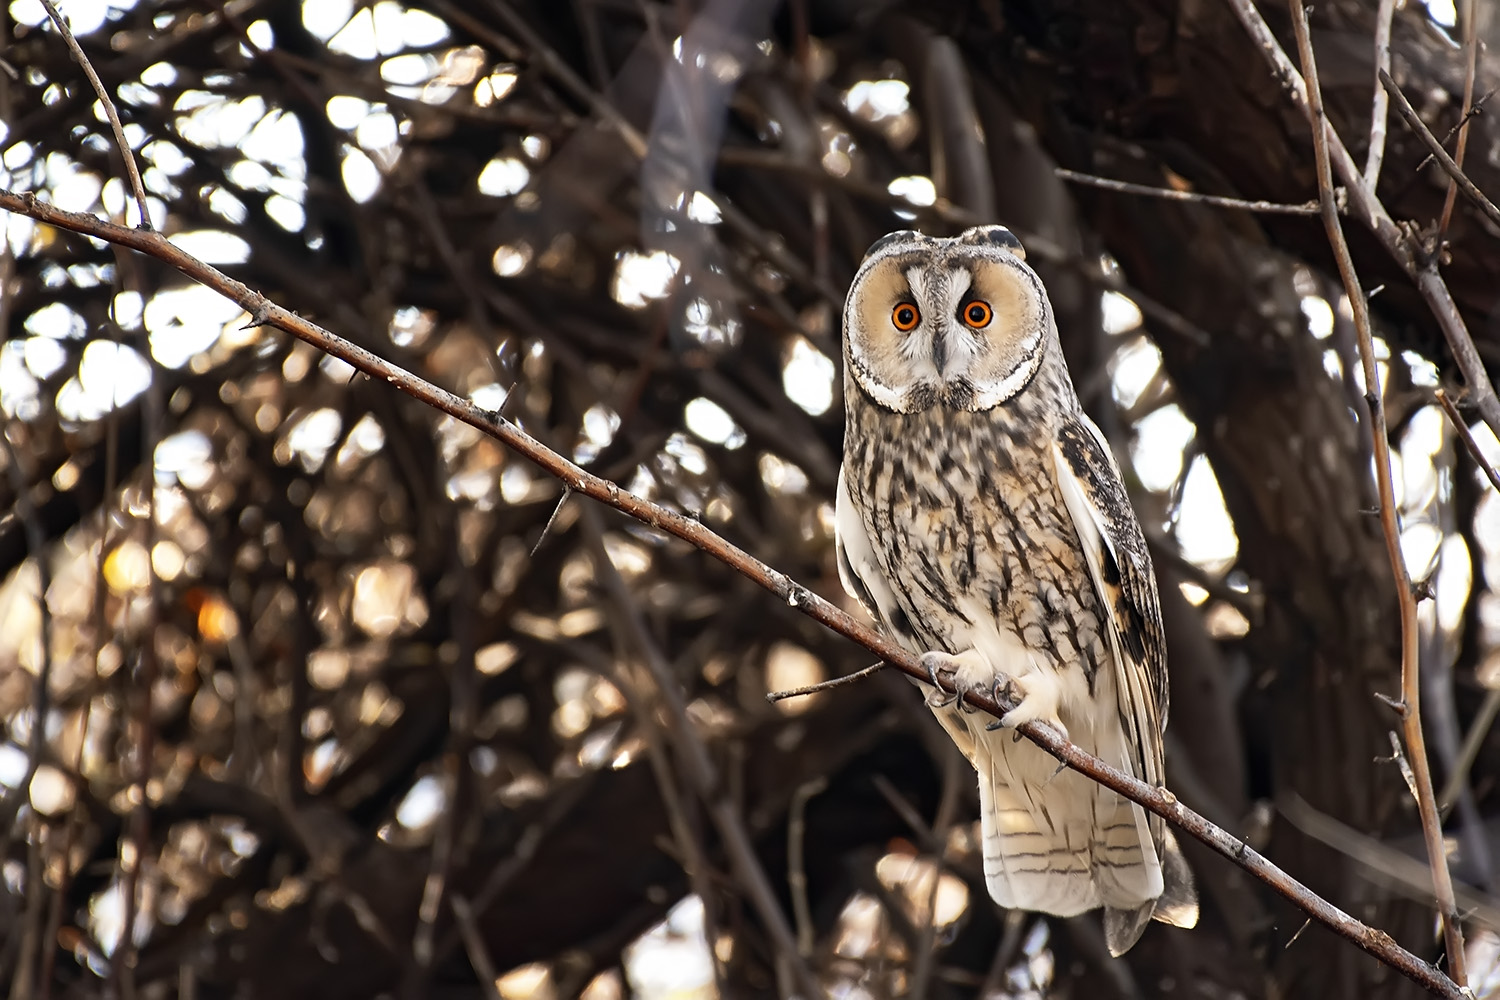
{"x": 1058, "y": 843}
{"x": 1030, "y": 864}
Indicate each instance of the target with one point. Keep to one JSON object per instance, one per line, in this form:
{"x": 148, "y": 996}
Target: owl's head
{"x": 962, "y": 322}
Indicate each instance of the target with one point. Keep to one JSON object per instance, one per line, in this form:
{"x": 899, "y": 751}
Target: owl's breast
{"x": 967, "y": 519}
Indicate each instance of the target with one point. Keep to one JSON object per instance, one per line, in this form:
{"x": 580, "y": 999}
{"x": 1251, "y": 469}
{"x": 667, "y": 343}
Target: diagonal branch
{"x": 1471, "y": 54}
{"x": 1462, "y": 426}
{"x": 1455, "y": 172}
{"x": 131, "y": 170}
{"x": 1158, "y": 800}
{"x": 1411, "y": 688}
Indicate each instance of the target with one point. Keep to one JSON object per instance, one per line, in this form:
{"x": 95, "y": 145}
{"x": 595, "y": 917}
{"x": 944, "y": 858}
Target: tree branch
{"x": 1171, "y": 194}
{"x": 1379, "y": 103}
{"x": 1455, "y": 172}
{"x": 1411, "y": 688}
{"x": 131, "y": 170}
{"x": 1471, "y": 53}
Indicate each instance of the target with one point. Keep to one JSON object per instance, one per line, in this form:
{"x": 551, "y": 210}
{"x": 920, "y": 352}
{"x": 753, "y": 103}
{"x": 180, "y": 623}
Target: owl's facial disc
{"x": 889, "y": 342}
{"x": 997, "y": 332}
{"x": 959, "y": 322}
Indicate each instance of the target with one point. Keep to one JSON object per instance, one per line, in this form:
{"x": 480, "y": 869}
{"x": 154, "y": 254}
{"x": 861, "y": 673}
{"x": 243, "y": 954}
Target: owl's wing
{"x": 1120, "y": 569}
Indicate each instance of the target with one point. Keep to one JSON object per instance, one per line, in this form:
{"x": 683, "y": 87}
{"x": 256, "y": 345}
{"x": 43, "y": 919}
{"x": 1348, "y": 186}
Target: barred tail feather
{"x": 1026, "y": 865}
{"x": 1127, "y": 866}
{"x": 1127, "y": 870}
{"x": 1056, "y": 842}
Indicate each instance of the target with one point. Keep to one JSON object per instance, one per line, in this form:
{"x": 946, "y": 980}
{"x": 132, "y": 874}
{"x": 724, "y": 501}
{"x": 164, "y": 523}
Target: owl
{"x": 982, "y": 522}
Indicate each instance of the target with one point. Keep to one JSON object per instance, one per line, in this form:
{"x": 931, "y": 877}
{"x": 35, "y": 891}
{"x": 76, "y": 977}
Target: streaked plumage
{"x": 981, "y": 520}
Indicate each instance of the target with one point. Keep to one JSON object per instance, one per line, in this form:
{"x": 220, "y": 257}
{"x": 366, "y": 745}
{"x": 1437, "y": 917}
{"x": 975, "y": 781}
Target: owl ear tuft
{"x": 997, "y": 236}
{"x": 899, "y": 236}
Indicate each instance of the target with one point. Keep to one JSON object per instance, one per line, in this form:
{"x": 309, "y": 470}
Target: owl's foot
{"x": 969, "y": 672}
{"x": 1037, "y": 698}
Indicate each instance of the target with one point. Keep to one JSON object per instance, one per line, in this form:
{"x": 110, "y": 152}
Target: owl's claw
{"x": 933, "y": 662}
{"x": 1035, "y": 700}
{"x": 965, "y": 669}
{"x": 1003, "y": 691}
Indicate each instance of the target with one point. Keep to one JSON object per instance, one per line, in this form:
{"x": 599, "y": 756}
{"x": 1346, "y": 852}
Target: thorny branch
{"x": 1411, "y": 689}
{"x": 1156, "y": 799}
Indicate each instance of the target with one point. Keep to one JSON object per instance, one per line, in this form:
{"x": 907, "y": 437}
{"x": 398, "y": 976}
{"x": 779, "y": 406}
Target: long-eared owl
{"x": 982, "y": 522}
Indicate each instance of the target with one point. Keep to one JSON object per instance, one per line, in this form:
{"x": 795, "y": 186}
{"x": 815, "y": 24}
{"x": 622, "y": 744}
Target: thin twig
{"x": 1171, "y": 194}
{"x": 1474, "y": 112}
{"x": 1479, "y": 729}
{"x": 1155, "y": 799}
{"x": 954, "y": 770}
{"x": 1381, "y": 103}
{"x": 447, "y": 848}
{"x": 479, "y": 957}
{"x": 131, "y": 171}
{"x": 1455, "y": 172}
{"x": 796, "y": 867}
{"x": 1471, "y": 54}
{"x": 1462, "y": 426}
{"x": 827, "y": 685}
{"x": 692, "y": 852}
{"x": 1362, "y": 199}
{"x": 1411, "y": 716}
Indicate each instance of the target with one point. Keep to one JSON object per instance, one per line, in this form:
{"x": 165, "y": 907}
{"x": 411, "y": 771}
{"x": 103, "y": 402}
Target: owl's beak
{"x": 939, "y": 349}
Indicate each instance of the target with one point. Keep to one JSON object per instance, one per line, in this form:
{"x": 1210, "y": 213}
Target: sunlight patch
{"x": 643, "y": 277}
{"x": 808, "y": 377}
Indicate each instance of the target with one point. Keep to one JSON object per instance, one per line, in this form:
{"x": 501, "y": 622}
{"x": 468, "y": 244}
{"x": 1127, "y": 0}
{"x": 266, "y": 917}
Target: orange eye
{"x": 905, "y": 316}
{"x": 978, "y": 314}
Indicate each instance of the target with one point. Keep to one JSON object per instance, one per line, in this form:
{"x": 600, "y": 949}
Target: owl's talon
{"x": 1032, "y": 704}
{"x": 1004, "y": 690}
{"x": 934, "y": 662}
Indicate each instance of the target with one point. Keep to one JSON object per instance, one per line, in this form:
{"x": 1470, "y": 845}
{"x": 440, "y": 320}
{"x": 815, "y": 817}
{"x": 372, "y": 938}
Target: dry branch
{"x": 1171, "y": 194}
{"x": 1380, "y": 103}
{"x": 1455, "y": 173}
{"x": 132, "y": 172}
{"x": 1471, "y": 56}
{"x": 1411, "y": 688}
{"x": 1158, "y": 800}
